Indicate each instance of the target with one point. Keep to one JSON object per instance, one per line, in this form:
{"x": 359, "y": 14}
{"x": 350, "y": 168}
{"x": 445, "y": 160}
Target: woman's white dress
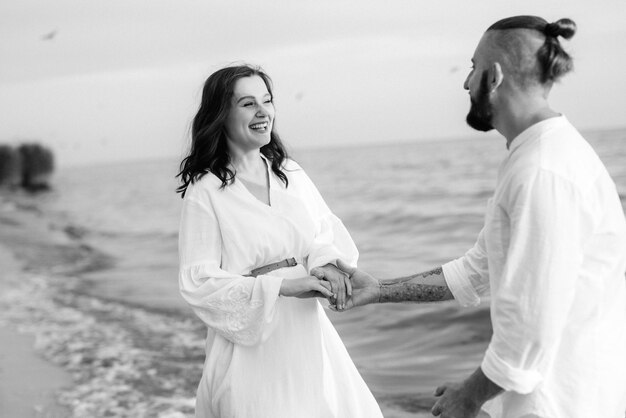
{"x": 266, "y": 355}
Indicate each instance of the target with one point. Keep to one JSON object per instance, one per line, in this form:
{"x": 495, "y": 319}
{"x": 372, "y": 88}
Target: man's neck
{"x": 521, "y": 115}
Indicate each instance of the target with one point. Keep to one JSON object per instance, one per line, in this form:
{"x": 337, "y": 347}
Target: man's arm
{"x": 429, "y": 286}
{"x": 468, "y": 276}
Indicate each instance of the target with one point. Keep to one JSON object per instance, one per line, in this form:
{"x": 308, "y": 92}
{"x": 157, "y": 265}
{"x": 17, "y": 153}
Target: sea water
{"x": 409, "y": 207}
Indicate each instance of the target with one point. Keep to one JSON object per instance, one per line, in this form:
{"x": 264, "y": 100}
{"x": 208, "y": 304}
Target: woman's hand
{"x": 305, "y": 287}
{"x": 339, "y": 281}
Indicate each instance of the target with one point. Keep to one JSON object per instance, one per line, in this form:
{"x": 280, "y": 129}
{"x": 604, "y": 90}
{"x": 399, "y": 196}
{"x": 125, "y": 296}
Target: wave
{"x": 125, "y": 362}
{"x": 79, "y": 232}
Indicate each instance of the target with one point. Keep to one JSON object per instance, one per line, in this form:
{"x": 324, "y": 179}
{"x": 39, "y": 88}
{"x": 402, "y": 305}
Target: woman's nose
{"x": 262, "y": 110}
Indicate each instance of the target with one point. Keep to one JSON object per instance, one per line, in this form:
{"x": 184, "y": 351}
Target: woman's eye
{"x": 248, "y": 104}
{"x": 269, "y": 101}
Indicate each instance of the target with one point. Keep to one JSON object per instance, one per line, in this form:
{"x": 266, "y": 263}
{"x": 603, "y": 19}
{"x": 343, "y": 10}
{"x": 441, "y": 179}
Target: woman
{"x": 253, "y": 226}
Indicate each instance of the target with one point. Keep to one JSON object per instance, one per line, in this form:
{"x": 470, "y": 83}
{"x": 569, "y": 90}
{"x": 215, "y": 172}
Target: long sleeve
{"x": 239, "y": 308}
{"x": 468, "y": 276}
{"x": 332, "y": 240}
{"x": 535, "y": 293}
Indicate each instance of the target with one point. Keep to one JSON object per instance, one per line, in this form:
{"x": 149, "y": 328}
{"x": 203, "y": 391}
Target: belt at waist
{"x": 288, "y": 262}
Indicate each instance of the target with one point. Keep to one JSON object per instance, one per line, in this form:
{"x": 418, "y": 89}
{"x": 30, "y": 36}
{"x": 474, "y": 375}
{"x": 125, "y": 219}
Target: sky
{"x": 116, "y": 80}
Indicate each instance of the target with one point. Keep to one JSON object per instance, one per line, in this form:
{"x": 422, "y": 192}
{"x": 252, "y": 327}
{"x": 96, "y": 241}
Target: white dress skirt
{"x": 266, "y": 355}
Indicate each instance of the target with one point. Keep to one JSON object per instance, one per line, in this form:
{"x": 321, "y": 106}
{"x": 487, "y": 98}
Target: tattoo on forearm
{"x": 410, "y": 289}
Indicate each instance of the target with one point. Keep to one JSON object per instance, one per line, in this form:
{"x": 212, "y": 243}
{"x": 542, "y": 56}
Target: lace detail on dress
{"x": 238, "y": 317}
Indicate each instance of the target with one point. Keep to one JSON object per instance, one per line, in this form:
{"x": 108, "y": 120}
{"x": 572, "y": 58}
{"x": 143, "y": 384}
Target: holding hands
{"x": 344, "y": 286}
{"x": 340, "y": 284}
{"x": 350, "y": 286}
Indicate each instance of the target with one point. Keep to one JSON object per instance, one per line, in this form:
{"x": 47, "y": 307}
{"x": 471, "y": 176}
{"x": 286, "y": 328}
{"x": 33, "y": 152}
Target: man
{"x": 552, "y": 253}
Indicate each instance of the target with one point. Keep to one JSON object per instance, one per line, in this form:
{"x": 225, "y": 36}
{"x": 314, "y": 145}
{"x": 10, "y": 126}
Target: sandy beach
{"x": 28, "y": 383}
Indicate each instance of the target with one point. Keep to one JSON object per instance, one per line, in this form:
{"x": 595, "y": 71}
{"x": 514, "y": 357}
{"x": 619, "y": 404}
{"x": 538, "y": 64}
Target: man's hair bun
{"x": 565, "y": 28}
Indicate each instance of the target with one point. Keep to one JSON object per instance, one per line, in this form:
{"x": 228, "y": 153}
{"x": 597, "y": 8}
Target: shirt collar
{"x": 536, "y": 130}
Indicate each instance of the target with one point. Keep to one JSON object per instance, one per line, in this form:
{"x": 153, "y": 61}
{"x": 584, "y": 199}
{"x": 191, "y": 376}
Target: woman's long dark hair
{"x": 209, "y": 150}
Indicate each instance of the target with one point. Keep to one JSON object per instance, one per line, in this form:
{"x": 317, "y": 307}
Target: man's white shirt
{"x": 552, "y": 256}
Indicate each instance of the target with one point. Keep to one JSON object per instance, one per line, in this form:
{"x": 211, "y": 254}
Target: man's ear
{"x": 495, "y": 76}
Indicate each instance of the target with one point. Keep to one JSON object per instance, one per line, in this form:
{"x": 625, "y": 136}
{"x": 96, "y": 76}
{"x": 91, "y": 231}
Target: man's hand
{"x": 365, "y": 288}
{"x": 455, "y": 402}
{"x": 464, "y": 400}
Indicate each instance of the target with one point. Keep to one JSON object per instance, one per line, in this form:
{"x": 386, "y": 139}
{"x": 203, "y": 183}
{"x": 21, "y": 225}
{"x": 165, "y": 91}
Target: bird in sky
{"x": 49, "y": 36}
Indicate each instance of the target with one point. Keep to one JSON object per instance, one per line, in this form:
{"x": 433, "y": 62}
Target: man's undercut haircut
{"x": 549, "y": 63}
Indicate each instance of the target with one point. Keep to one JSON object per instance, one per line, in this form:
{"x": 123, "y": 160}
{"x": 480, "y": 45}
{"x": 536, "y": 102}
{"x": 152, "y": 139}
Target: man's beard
{"x": 480, "y": 115}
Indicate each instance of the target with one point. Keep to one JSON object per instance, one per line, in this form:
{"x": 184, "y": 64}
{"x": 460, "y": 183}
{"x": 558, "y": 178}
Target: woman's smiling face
{"x": 251, "y": 116}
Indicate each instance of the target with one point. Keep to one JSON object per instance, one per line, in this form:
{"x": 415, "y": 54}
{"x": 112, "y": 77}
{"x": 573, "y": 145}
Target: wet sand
{"x": 28, "y": 383}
